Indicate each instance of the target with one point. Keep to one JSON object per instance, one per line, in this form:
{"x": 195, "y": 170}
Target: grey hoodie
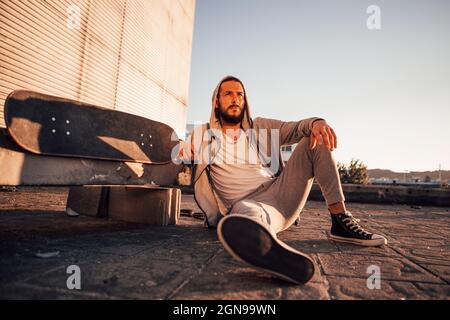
{"x": 203, "y": 139}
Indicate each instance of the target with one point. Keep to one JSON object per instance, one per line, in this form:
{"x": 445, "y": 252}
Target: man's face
{"x": 231, "y": 102}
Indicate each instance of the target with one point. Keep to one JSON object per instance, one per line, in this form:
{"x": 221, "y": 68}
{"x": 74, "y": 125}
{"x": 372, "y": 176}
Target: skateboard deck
{"x": 49, "y": 125}
{"x": 19, "y": 167}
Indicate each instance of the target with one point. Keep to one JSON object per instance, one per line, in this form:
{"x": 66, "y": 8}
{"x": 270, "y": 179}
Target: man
{"x": 249, "y": 195}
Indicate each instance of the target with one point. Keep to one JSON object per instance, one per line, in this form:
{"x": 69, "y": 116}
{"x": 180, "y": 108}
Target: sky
{"x": 385, "y": 91}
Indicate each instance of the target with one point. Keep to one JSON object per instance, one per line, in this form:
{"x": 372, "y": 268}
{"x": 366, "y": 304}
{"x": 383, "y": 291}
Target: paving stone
{"x": 434, "y": 291}
{"x": 226, "y": 278}
{"x": 441, "y": 270}
{"x": 354, "y": 288}
{"x": 423, "y": 256}
{"x": 131, "y": 261}
{"x": 117, "y": 278}
{"x": 356, "y": 266}
{"x": 383, "y": 251}
{"x": 20, "y": 291}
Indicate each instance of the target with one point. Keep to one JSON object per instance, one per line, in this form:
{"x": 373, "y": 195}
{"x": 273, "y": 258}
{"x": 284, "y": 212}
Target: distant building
{"x": 286, "y": 152}
{"x": 399, "y": 182}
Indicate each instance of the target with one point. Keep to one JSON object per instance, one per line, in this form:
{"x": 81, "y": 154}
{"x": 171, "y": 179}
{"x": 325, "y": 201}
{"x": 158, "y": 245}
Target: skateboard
{"x": 19, "y": 167}
{"x": 49, "y": 125}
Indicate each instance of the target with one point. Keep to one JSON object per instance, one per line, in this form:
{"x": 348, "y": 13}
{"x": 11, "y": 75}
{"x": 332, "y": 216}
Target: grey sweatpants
{"x": 278, "y": 203}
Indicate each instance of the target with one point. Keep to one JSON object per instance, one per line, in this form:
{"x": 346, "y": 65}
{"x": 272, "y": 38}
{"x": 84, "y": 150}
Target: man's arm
{"x": 186, "y": 150}
{"x": 292, "y": 132}
{"x": 190, "y": 149}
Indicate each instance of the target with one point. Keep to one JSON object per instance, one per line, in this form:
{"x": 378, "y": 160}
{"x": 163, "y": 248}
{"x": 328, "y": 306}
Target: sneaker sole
{"x": 361, "y": 242}
{"x": 250, "y": 242}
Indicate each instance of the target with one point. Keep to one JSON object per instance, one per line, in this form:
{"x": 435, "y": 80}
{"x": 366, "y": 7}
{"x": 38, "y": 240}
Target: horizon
{"x": 386, "y": 91}
{"x": 191, "y": 126}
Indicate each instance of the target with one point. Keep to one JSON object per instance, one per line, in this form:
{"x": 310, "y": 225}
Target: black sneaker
{"x": 250, "y": 242}
{"x": 345, "y": 228}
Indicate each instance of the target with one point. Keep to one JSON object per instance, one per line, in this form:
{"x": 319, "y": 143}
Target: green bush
{"x": 355, "y": 173}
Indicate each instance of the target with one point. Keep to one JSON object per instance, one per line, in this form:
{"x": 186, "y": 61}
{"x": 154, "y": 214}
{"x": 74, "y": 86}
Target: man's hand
{"x": 186, "y": 151}
{"x": 322, "y": 133}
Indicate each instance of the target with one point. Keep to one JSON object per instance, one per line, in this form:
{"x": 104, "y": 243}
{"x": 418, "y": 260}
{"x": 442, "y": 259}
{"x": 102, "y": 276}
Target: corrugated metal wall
{"x": 129, "y": 55}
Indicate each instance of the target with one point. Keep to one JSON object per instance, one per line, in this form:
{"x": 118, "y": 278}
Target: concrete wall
{"x": 129, "y": 55}
{"x": 390, "y": 195}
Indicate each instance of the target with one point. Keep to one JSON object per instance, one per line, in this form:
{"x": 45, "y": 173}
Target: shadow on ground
{"x": 130, "y": 261}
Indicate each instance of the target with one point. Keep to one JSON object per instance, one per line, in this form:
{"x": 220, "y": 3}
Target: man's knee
{"x": 305, "y": 146}
{"x": 252, "y": 209}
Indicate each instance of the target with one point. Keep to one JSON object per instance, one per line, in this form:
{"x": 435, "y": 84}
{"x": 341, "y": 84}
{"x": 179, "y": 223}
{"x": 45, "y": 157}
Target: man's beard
{"x": 233, "y": 119}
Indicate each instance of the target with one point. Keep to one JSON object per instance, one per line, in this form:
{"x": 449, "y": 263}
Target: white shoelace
{"x": 353, "y": 224}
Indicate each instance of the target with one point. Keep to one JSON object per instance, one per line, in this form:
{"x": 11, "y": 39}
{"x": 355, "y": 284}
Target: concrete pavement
{"x": 130, "y": 261}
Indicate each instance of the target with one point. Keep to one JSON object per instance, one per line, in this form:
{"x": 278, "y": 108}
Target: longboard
{"x": 19, "y": 167}
{"x": 49, "y": 125}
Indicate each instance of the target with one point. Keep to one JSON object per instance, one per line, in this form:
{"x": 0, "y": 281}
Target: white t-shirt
{"x": 236, "y": 170}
